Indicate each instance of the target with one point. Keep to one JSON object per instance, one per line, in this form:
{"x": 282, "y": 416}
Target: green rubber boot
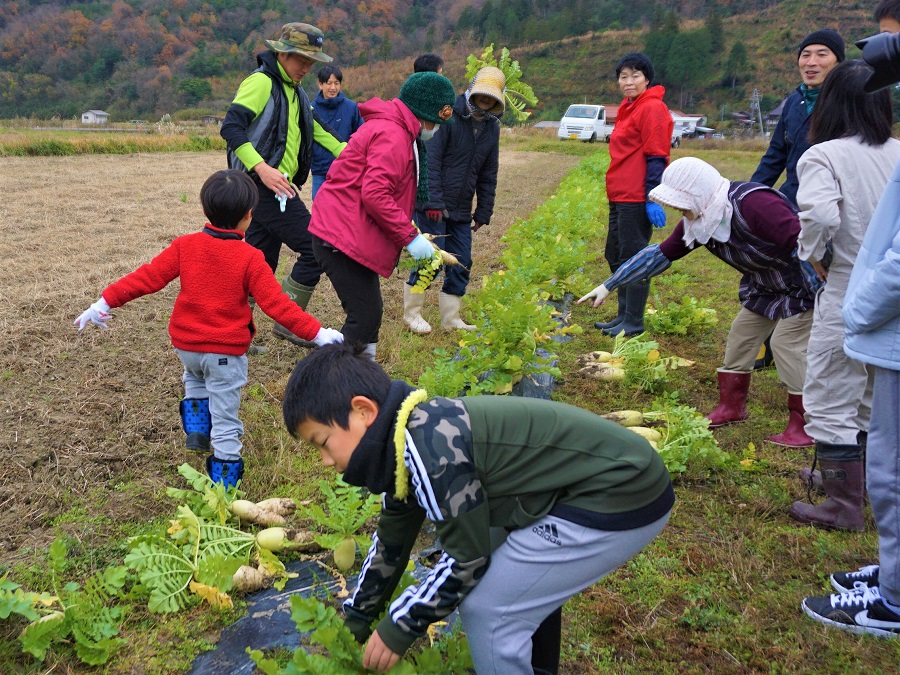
{"x": 300, "y": 294}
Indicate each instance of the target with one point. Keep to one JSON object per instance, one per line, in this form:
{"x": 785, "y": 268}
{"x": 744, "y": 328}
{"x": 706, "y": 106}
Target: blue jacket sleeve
{"x": 644, "y": 264}
{"x": 772, "y": 164}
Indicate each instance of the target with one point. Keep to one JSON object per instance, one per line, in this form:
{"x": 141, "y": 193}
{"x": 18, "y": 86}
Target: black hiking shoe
{"x": 860, "y": 611}
{"x": 864, "y": 577}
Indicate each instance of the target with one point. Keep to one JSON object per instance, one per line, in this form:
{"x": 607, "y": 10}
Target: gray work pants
{"x": 532, "y": 574}
{"x": 883, "y": 478}
{"x": 218, "y": 377}
{"x": 837, "y": 395}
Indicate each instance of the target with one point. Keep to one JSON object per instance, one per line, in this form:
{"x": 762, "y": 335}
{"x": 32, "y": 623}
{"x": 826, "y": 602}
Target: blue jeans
{"x": 317, "y": 180}
{"x": 454, "y": 236}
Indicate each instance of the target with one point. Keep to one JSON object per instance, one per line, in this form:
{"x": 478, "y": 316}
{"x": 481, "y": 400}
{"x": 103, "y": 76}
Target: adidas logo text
{"x": 547, "y": 532}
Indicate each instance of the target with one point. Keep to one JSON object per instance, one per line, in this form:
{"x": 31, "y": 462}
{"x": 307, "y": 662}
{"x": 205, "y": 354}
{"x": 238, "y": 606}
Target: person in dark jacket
{"x": 533, "y": 501}
{"x": 270, "y": 129}
{"x": 338, "y": 112}
{"x": 818, "y": 54}
{"x": 463, "y": 159}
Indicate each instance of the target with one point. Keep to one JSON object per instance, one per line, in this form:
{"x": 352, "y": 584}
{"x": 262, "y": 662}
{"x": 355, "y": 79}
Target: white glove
{"x": 420, "y": 248}
{"x": 97, "y": 313}
{"x": 599, "y": 295}
{"x": 327, "y": 336}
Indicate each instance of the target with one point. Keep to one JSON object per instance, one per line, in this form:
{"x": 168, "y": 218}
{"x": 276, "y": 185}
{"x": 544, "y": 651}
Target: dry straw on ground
{"x": 93, "y": 416}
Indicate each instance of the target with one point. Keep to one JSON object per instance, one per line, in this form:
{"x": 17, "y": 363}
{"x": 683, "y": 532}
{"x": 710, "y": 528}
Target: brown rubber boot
{"x": 844, "y": 483}
{"x": 733, "y": 388}
{"x": 794, "y": 435}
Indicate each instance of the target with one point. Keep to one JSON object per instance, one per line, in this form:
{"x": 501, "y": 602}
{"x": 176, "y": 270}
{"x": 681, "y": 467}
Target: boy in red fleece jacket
{"x": 212, "y": 323}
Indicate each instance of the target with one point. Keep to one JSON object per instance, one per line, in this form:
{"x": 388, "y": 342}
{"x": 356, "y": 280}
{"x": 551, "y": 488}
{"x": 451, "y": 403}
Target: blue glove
{"x": 656, "y": 214}
{"x": 420, "y": 248}
{"x": 810, "y": 276}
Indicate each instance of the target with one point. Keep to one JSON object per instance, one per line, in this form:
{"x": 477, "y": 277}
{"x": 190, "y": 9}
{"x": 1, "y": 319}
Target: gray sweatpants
{"x": 218, "y": 377}
{"x": 883, "y": 478}
{"x": 838, "y": 390}
{"x": 532, "y": 574}
{"x": 749, "y": 330}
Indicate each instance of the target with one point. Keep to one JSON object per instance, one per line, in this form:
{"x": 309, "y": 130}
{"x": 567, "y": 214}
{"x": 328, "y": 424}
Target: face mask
{"x": 425, "y": 134}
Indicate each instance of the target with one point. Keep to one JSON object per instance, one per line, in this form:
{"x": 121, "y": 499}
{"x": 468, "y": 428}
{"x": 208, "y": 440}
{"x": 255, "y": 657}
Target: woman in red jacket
{"x": 363, "y": 214}
{"x": 639, "y": 152}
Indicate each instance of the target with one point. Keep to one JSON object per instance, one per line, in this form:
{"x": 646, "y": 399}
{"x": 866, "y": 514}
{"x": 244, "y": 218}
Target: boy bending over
{"x": 212, "y": 324}
{"x": 574, "y": 495}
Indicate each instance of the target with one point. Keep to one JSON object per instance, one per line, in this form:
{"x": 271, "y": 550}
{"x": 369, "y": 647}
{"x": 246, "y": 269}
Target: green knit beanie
{"x": 430, "y": 96}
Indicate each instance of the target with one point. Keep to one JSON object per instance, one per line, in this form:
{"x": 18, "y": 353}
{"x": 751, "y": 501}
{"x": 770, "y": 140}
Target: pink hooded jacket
{"x": 365, "y": 207}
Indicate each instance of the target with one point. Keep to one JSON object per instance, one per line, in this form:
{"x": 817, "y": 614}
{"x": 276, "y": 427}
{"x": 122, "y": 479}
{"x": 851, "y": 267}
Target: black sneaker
{"x": 860, "y": 611}
{"x": 848, "y": 581}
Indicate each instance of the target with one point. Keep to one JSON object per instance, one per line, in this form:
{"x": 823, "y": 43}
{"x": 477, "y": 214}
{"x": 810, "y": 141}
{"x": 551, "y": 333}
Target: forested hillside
{"x": 144, "y": 58}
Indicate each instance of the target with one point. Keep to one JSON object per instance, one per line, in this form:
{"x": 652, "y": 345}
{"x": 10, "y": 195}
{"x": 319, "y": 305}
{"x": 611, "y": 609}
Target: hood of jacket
{"x": 394, "y": 110}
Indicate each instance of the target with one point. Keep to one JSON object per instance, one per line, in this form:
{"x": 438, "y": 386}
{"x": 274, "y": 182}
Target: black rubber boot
{"x": 635, "y": 302}
{"x": 765, "y": 360}
{"x": 622, "y": 292}
{"x": 545, "y": 644}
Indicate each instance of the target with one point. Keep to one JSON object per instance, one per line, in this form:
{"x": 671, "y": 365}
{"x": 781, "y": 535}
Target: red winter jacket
{"x": 365, "y": 207}
{"x": 643, "y": 129}
{"x": 218, "y": 270}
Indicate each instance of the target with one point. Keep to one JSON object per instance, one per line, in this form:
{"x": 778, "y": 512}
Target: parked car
{"x": 584, "y": 123}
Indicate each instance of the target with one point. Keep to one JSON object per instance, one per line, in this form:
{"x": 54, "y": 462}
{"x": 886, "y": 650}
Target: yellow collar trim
{"x": 401, "y": 473}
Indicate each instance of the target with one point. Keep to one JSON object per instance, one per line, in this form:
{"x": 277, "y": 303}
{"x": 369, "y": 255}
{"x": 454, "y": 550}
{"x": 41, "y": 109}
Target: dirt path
{"x": 92, "y": 418}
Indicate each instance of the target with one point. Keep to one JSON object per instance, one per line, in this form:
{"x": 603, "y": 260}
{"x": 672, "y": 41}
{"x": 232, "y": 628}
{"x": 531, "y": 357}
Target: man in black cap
{"x": 819, "y": 52}
{"x": 270, "y": 129}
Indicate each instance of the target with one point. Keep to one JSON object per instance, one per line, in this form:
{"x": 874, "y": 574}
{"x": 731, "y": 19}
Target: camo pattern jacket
{"x": 483, "y": 462}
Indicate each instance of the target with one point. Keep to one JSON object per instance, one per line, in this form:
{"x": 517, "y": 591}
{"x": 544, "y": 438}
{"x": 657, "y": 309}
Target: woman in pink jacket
{"x": 363, "y": 214}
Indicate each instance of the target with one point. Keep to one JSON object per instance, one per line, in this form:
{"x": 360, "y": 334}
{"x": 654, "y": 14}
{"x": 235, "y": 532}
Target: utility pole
{"x": 755, "y": 107}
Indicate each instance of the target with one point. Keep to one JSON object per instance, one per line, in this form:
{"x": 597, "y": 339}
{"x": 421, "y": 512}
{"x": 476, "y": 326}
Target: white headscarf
{"x": 692, "y": 184}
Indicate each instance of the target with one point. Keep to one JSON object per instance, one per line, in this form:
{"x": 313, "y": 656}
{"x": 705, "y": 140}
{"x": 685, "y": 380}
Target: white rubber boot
{"x": 449, "y": 306}
{"x": 412, "y": 311}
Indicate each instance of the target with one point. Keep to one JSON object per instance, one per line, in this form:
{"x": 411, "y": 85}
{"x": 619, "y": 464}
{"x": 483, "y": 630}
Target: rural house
{"x": 94, "y": 117}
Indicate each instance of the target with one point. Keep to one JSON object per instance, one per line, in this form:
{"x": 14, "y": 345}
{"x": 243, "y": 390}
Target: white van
{"x": 585, "y": 123}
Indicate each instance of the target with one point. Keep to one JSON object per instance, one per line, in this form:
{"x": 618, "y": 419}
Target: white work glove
{"x": 599, "y": 295}
{"x": 420, "y": 248}
{"x": 97, "y": 313}
{"x": 327, "y": 336}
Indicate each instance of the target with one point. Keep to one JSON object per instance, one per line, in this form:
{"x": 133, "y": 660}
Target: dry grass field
{"x": 93, "y": 417}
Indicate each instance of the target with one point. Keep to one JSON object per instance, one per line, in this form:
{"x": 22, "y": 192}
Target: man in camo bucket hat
{"x": 300, "y": 38}
{"x": 270, "y": 129}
